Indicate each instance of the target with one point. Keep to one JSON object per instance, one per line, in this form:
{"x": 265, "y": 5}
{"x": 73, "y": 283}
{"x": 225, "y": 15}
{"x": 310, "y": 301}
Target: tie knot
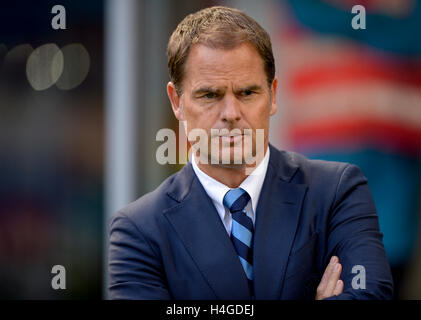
{"x": 236, "y": 199}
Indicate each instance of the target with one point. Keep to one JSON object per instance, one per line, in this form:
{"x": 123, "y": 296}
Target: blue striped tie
{"x": 242, "y": 229}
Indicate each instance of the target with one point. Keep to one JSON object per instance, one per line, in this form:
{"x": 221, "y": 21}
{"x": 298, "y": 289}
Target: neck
{"x": 230, "y": 175}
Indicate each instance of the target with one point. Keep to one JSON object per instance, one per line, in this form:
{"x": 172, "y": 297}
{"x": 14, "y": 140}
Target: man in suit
{"x": 285, "y": 227}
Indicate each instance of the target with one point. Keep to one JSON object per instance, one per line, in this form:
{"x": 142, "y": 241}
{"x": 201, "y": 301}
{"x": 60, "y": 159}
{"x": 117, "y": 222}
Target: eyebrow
{"x": 203, "y": 90}
{"x": 253, "y": 87}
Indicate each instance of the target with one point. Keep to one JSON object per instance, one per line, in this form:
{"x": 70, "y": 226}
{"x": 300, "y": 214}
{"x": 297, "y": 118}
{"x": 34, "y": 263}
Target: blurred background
{"x": 80, "y": 108}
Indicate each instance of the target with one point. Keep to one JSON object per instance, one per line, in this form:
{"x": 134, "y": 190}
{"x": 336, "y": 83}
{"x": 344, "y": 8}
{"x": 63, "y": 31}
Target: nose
{"x": 231, "y": 111}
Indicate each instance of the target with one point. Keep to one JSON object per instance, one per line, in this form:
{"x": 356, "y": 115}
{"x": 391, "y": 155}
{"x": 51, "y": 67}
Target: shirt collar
{"x": 252, "y": 184}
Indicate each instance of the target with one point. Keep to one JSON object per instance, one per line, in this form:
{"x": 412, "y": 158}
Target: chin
{"x": 232, "y": 155}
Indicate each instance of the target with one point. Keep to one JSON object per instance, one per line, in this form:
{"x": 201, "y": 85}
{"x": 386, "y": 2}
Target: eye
{"x": 247, "y": 93}
{"x": 209, "y": 95}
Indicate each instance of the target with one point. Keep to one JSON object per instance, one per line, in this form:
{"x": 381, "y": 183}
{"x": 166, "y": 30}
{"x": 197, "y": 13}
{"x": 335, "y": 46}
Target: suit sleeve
{"x": 354, "y": 236}
{"x": 135, "y": 270}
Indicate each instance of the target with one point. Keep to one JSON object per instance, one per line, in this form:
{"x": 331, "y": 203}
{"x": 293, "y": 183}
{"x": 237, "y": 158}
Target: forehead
{"x": 241, "y": 63}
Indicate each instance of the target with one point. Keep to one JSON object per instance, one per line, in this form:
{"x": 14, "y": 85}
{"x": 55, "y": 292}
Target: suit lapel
{"x": 199, "y": 227}
{"x": 277, "y": 218}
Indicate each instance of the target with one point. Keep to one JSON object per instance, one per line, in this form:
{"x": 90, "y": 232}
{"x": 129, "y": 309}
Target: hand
{"x": 330, "y": 285}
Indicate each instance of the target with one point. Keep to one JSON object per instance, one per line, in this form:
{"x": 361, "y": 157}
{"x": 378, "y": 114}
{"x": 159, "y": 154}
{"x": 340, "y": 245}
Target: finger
{"x": 320, "y": 292}
{"x": 339, "y": 288}
{"x": 333, "y": 279}
{"x": 327, "y": 273}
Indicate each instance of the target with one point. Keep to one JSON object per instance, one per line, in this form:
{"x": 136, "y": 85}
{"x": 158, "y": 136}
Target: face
{"x": 225, "y": 93}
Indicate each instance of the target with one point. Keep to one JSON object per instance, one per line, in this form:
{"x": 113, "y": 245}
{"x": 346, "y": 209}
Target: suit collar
{"x": 181, "y": 184}
{"x": 283, "y": 164}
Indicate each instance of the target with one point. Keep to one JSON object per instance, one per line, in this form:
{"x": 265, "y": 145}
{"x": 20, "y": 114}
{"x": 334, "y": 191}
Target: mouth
{"x": 231, "y": 139}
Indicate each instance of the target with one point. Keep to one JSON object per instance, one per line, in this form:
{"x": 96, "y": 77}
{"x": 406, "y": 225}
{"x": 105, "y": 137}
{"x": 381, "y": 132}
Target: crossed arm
{"x": 354, "y": 238}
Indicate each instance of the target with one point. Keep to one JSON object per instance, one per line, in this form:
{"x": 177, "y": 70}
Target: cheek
{"x": 198, "y": 121}
{"x": 201, "y": 115}
{"x": 259, "y": 118}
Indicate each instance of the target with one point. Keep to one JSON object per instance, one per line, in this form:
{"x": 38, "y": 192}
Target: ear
{"x": 274, "y": 90}
{"x": 175, "y": 101}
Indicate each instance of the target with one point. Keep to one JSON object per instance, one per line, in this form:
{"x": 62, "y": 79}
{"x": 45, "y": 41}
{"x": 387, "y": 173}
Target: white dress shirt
{"x": 217, "y": 190}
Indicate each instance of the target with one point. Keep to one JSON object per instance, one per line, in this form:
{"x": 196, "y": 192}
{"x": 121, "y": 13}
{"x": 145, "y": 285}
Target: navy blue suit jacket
{"x": 171, "y": 243}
